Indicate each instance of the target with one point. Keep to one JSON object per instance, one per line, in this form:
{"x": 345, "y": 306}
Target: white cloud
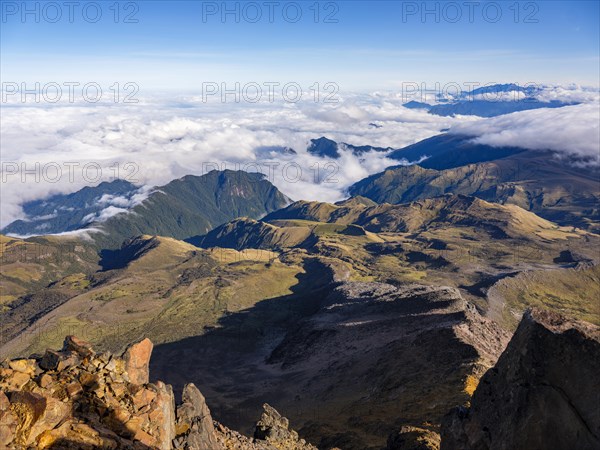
{"x": 84, "y": 233}
{"x": 509, "y": 96}
{"x": 126, "y": 201}
{"x": 103, "y": 215}
{"x": 569, "y": 131}
{"x": 166, "y": 138}
{"x": 569, "y": 94}
{"x": 163, "y": 138}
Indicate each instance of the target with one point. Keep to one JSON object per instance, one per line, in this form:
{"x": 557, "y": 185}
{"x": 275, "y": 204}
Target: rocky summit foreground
{"x": 544, "y": 392}
{"x": 77, "y": 399}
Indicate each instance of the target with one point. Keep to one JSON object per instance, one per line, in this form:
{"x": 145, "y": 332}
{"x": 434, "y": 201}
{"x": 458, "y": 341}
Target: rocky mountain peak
{"x": 76, "y": 398}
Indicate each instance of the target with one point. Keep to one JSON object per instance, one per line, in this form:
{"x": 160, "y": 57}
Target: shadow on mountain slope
{"x": 237, "y": 348}
{"x": 367, "y": 356}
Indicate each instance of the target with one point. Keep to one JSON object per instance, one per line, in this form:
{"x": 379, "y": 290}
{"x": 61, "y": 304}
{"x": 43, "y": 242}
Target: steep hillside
{"x": 535, "y": 181}
{"x": 317, "y": 212}
{"x": 163, "y": 289}
{"x": 446, "y": 151}
{"x": 181, "y": 209}
{"x": 60, "y": 213}
{"x": 30, "y": 265}
{"x": 247, "y": 233}
{"x": 194, "y": 205}
{"x": 369, "y": 359}
{"x": 550, "y": 365}
{"x": 573, "y": 291}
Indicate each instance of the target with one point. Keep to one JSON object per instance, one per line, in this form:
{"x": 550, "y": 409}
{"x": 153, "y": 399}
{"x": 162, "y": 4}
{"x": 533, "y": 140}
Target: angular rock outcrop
{"x": 413, "y": 438}
{"x": 543, "y": 393}
{"x": 275, "y": 429}
{"x": 272, "y": 433}
{"x": 137, "y": 359}
{"x": 77, "y": 399}
{"x": 194, "y": 424}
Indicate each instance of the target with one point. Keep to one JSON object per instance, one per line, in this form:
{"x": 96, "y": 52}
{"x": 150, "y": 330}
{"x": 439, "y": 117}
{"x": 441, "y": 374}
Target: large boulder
{"x": 543, "y": 393}
{"x": 194, "y": 423}
{"x": 275, "y": 430}
{"x": 137, "y": 361}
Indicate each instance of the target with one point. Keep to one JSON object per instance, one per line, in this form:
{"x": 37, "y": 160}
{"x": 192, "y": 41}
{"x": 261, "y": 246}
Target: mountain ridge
{"x": 533, "y": 180}
{"x": 182, "y": 208}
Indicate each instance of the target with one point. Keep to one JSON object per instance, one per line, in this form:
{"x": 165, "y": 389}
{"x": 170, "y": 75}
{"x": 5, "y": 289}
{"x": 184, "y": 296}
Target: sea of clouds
{"x": 166, "y": 137}
{"x": 572, "y": 131}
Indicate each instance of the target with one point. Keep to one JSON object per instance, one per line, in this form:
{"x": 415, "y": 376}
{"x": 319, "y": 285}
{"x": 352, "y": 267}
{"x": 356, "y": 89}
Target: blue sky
{"x": 372, "y": 46}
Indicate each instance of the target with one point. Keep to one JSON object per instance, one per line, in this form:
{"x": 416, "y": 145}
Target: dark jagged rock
{"x": 544, "y": 392}
{"x": 413, "y": 438}
{"x": 194, "y": 421}
{"x": 274, "y": 428}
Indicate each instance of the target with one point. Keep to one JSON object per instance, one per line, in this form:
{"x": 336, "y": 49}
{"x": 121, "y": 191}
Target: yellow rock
{"x": 143, "y": 397}
{"x": 15, "y": 382}
{"x": 45, "y": 380}
{"x": 145, "y": 439}
{"x": 134, "y": 424}
{"x": 23, "y": 365}
{"x": 8, "y": 421}
{"x": 118, "y": 389}
{"x": 47, "y": 439}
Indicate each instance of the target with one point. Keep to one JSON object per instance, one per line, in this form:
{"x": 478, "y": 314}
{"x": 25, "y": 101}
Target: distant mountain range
{"x": 438, "y": 152}
{"x": 446, "y": 151}
{"x": 556, "y": 187}
{"x": 183, "y": 208}
{"x": 493, "y": 104}
{"x": 60, "y": 213}
{"x": 491, "y": 108}
{"x": 328, "y": 148}
{"x": 537, "y": 181}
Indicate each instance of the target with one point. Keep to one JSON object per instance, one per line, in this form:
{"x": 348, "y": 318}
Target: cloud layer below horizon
{"x": 164, "y": 138}
{"x": 572, "y": 131}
